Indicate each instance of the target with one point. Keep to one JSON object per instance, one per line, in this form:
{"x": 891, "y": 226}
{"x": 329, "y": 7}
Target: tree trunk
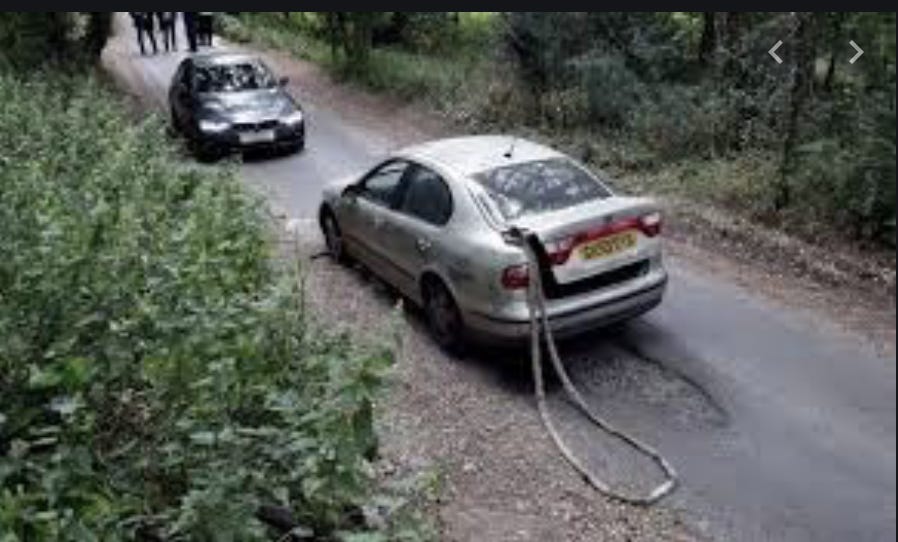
{"x": 98, "y": 28}
{"x": 358, "y": 28}
{"x": 732, "y": 27}
{"x": 835, "y": 44}
{"x": 830, "y": 71}
{"x": 56, "y": 31}
{"x": 802, "y": 64}
{"x": 709, "y": 38}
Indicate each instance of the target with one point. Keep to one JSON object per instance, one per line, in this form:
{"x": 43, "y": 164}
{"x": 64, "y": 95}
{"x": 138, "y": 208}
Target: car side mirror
{"x": 284, "y": 81}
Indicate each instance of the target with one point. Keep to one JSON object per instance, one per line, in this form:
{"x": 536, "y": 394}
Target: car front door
{"x": 418, "y": 236}
{"x": 366, "y": 215}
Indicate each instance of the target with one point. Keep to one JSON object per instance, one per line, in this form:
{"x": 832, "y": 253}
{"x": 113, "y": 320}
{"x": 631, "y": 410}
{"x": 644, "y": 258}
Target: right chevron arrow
{"x": 859, "y": 52}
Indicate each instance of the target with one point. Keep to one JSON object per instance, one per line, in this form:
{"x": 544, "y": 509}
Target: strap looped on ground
{"x": 539, "y": 323}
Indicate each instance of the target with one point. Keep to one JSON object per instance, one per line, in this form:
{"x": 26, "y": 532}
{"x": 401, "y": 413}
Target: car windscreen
{"x": 235, "y": 77}
{"x": 539, "y": 186}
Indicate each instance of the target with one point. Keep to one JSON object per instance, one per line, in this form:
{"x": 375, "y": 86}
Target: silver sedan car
{"x": 434, "y": 220}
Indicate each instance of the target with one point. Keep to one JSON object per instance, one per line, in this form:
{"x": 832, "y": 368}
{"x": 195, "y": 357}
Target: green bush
{"x": 408, "y": 76}
{"x": 272, "y": 30}
{"x": 851, "y": 181}
{"x": 29, "y": 38}
{"x": 613, "y": 91}
{"x": 678, "y": 121}
{"x": 158, "y": 377}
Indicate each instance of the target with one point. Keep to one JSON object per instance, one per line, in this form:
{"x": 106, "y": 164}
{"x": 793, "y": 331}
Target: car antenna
{"x": 510, "y": 152}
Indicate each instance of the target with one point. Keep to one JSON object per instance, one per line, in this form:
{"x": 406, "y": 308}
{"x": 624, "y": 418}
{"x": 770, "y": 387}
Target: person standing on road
{"x": 167, "y": 26}
{"x": 190, "y": 28}
{"x": 143, "y": 22}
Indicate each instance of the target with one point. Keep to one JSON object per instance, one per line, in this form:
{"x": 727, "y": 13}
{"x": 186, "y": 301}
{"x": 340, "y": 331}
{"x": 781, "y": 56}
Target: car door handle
{"x": 423, "y": 245}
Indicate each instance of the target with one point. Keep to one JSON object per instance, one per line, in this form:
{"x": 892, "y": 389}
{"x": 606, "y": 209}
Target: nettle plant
{"x": 159, "y": 379}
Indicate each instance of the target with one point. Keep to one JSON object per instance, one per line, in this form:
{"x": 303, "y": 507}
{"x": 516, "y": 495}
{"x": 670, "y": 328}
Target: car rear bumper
{"x": 623, "y": 307}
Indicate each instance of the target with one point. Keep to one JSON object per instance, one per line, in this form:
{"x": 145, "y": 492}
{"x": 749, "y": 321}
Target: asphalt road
{"x": 781, "y": 428}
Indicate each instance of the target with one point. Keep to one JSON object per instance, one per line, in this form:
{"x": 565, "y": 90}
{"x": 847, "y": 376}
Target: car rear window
{"x": 540, "y": 186}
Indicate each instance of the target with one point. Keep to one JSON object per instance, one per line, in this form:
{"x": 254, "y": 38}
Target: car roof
{"x": 218, "y": 59}
{"x": 470, "y": 155}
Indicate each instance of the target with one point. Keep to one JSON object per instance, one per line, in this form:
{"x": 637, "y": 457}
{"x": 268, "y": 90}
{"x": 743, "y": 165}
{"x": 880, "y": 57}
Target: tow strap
{"x": 539, "y": 325}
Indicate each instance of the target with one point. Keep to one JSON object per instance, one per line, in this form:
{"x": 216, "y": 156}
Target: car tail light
{"x": 650, "y": 224}
{"x": 559, "y": 251}
{"x": 516, "y": 277}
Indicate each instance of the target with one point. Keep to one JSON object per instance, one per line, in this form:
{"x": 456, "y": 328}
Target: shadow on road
{"x": 602, "y": 362}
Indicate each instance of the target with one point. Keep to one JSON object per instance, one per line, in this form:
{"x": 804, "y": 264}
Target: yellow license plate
{"x": 602, "y": 248}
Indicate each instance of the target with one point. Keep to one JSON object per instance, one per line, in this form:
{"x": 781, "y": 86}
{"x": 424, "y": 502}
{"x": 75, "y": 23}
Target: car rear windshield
{"x": 539, "y": 186}
{"x": 233, "y": 77}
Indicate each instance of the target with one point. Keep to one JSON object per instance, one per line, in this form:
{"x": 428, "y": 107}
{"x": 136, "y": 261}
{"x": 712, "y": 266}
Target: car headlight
{"x": 214, "y": 126}
{"x": 293, "y": 118}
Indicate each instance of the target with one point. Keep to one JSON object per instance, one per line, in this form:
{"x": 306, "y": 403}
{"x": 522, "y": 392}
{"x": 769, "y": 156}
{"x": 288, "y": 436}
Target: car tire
{"x": 443, "y": 317}
{"x": 333, "y": 237}
{"x": 174, "y": 128}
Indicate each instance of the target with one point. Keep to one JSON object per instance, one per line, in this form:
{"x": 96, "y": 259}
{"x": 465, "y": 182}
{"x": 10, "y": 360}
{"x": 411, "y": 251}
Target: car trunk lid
{"x": 595, "y": 237}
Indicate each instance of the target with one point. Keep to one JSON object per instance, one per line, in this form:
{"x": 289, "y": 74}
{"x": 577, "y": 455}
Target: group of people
{"x": 197, "y": 28}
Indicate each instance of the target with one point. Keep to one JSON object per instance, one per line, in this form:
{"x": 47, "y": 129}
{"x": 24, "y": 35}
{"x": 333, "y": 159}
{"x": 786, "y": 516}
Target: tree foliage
{"x": 29, "y": 39}
{"x": 702, "y": 84}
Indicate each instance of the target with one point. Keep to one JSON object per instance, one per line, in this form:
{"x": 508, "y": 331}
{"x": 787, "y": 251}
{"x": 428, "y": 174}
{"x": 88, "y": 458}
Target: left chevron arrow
{"x": 772, "y": 52}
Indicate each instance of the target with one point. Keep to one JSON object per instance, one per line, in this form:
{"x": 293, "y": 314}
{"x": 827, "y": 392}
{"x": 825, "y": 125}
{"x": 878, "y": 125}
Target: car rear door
{"x": 417, "y": 232}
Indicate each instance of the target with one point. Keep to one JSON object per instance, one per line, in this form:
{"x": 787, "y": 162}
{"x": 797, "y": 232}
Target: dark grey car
{"x": 228, "y": 102}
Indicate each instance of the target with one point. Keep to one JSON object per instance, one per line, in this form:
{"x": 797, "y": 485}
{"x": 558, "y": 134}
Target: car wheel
{"x": 333, "y": 237}
{"x": 443, "y": 317}
{"x": 173, "y": 125}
